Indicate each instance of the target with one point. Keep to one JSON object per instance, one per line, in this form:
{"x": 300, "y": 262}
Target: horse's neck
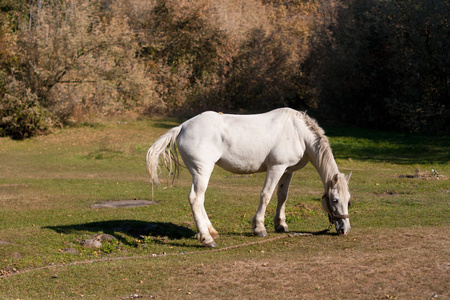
{"x": 327, "y": 173}
{"x": 324, "y": 163}
{"x": 317, "y": 148}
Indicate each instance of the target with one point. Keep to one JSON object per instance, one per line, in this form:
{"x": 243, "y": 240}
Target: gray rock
{"x": 70, "y": 250}
{"x": 91, "y": 243}
{"x": 102, "y": 237}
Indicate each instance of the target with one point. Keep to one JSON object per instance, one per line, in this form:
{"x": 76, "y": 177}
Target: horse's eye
{"x": 349, "y": 203}
{"x": 335, "y": 200}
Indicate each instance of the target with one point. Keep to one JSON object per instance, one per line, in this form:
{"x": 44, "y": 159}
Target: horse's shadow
{"x": 293, "y": 233}
{"x": 120, "y": 229}
{"x": 164, "y": 233}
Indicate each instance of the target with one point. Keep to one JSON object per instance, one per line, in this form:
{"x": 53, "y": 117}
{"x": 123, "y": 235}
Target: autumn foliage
{"x": 371, "y": 63}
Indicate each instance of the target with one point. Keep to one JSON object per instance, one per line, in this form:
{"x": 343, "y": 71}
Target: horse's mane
{"x": 322, "y": 148}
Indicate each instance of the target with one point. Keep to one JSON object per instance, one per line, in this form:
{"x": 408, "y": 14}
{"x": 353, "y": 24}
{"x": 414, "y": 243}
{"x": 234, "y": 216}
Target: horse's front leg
{"x": 273, "y": 176}
{"x": 280, "y": 217}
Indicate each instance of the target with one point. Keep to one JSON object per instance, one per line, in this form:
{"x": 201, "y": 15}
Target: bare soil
{"x": 123, "y": 203}
{"x": 388, "y": 264}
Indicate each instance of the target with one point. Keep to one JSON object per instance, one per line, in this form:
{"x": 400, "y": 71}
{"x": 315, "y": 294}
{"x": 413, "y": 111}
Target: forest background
{"x": 381, "y": 64}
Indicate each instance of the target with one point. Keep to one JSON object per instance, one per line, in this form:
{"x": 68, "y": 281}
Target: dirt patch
{"x": 386, "y": 264}
{"x": 424, "y": 175}
{"x": 239, "y": 176}
{"x": 123, "y": 203}
{"x": 13, "y": 185}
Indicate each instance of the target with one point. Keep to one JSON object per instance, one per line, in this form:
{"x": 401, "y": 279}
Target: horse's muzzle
{"x": 342, "y": 227}
{"x": 342, "y": 231}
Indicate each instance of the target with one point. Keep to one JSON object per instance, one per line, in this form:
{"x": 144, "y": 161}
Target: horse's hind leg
{"x": 273, "y": 176}
{"x": 214, "y": 234}
{"x": 197, "y": 200}
{"x": 280, "y": 217}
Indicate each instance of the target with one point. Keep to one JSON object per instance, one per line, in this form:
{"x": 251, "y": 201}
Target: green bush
{"x": 21, "y": 116}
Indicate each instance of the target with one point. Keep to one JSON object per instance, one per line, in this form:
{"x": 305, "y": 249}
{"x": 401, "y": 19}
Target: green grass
{"x": 49, "y": 183}
{"x": 395, "y": 148}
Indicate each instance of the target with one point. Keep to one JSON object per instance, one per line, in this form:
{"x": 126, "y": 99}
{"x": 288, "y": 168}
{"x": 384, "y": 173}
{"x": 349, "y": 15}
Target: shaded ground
{"x": 392, "y": 147}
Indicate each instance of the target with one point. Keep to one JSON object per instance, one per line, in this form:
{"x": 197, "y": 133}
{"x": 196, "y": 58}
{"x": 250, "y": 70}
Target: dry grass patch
{"x": 396, "y": 264}
{"x": 403, "y": 263}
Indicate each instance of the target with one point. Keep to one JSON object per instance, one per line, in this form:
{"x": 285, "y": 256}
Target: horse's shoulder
{"x": 285, "y": 109}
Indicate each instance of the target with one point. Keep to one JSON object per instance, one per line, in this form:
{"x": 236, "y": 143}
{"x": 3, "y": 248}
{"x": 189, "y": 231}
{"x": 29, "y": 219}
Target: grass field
{"x": 398, "y": 247}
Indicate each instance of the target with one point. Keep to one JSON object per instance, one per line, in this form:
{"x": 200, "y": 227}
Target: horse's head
{"x": 336, "y": 202}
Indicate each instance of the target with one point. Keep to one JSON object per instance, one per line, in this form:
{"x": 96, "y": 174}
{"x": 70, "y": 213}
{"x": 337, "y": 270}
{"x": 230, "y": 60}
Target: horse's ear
{"x": 335, "y": 179}
{"x": 347, "y": 177}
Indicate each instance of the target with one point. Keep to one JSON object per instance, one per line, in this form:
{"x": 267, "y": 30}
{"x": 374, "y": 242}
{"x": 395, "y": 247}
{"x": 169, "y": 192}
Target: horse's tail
{"x": 165, "y": 148}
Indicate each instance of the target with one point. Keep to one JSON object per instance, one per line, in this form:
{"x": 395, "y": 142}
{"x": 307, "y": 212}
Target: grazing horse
{"x": 278, "y": 142}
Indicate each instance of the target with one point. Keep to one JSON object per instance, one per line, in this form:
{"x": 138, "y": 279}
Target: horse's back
{"x": 238, "y": 143}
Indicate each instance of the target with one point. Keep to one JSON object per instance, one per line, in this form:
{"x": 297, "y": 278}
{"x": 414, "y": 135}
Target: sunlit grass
{"x": 48, "y": 186}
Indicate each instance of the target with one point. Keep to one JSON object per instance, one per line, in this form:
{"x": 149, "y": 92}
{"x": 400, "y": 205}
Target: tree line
{"x": 374, "y": 63}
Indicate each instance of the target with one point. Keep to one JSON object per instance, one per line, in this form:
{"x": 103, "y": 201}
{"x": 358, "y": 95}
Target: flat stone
{"x": 70, "y": 250}
{"x": 16, "y": 255}
{"x": 91, "y": 243}
{"x": 123, "y": 203}
{"x": 102, "y": 237}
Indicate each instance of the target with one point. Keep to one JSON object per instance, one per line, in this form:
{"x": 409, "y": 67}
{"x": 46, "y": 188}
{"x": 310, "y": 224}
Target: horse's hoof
{"x": 260, "y": 233}
{"x": 215, "y": 235}
{"x": 281, "y": 228}
{"x": 210, "y": 245}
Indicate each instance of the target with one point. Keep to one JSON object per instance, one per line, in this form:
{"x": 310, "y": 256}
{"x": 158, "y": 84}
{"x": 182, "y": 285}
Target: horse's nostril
{"x": 341, "y": 232}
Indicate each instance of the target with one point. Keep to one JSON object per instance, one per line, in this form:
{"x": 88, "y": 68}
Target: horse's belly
{"x": 239, "y": 166}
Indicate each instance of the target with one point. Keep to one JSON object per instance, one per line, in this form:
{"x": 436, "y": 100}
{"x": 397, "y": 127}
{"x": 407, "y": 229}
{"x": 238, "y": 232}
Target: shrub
{"x": 21, "y": 115}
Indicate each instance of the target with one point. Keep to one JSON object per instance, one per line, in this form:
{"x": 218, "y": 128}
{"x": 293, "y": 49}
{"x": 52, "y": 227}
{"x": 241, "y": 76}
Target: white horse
{"x": 278, "y": 142}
